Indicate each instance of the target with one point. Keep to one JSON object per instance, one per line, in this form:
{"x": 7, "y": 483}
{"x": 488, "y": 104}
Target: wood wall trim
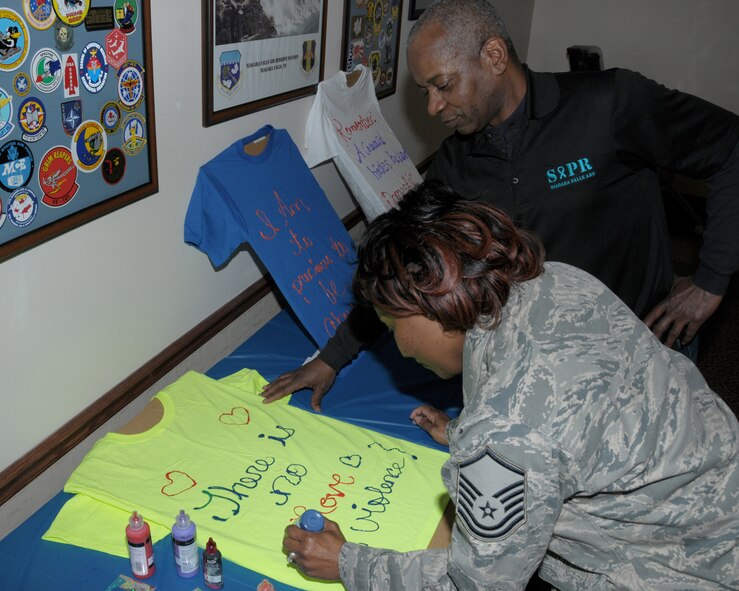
{"x": 30, "y": 466}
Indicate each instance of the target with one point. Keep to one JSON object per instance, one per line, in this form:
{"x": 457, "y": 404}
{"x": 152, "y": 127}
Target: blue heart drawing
{"x": 353, "y": 461}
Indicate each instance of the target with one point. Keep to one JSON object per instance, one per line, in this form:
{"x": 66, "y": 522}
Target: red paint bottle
{"x": 140, "y": 550}
{"x": 212, "y": 566}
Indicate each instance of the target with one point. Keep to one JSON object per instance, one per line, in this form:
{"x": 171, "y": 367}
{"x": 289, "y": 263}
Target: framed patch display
{"x": 372, "y": 38}
{"x": 416, "y": 8}
{"x": 259, "y": 54}
{"x": 76, "y": 115}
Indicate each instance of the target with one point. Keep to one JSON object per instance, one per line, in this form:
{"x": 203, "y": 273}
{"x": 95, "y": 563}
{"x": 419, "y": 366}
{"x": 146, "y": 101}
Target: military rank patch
{"x": 491, "y": 494}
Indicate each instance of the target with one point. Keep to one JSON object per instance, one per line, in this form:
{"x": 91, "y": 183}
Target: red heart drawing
{"x": 179, "y": 482}
{"x": 238, "y": 416}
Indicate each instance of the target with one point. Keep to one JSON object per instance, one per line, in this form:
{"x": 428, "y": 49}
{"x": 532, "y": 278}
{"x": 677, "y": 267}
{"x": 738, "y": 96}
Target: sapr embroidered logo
{"x": 491, "y": 496}
{"x": 570, "y": 173}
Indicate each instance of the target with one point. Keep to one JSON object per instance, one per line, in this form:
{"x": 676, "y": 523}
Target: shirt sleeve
{"x": 317, "y": 140}
{"x": 656, "y": 126}
{"x": 360, "y": 328}
{"x": 210, "y": 225}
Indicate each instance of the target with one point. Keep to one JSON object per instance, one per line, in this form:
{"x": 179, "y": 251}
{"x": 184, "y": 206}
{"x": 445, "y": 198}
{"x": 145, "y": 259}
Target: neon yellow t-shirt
{"x": 243, "y": 470}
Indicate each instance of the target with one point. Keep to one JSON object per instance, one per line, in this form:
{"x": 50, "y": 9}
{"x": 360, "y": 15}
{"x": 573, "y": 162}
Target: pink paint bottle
{"x": 140, "y": 550}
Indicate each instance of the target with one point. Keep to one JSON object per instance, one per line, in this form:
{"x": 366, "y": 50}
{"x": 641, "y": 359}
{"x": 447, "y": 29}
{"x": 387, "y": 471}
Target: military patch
{"x": 63, "y": 36}
{"x": 93, "y": 67}
{"x": 99, "y": 18}
{"x": 71, "y": 12}
{"x": 116, "y": 48}
{"x": 114, "y": 166}
{"x": 131, "y": 85}
{"x": 22, "y": 207}
{"x": 126, "y": 14}
{"x": 21, "y": 84}
{"x": 309, "y": 56}
{"x": 110, "y": 117}
{"x": 491, "y": 495}
{"x": 134, "y": 138}
{"x": 13, "y": 40}
{"x": 31, "y": 118}
{"x": 71, "y": 75}
{"x": 230, "y": 71}
{"x": 46, "y": 70}
{"x": 89, "y": 144}
{"x": 39, "y": 13}
{"x": 6, "y": 113}
{"x": 16, "y": 165}
{"x": 71, "y": 116}
{"x": 57, "y": 177}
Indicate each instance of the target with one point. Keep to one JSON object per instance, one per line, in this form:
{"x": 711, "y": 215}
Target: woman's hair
{"x": 448, "y": 259}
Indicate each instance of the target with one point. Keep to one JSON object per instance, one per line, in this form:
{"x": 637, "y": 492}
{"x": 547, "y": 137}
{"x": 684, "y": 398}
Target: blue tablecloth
{"x": 377, "y": 391}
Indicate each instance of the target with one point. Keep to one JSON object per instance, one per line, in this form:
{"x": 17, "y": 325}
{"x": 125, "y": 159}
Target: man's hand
{"x": 315, "y": 553}
{"x": 682, "y": 312}
{"x": 315, "y": 374}
{"x": 433, "y": 421}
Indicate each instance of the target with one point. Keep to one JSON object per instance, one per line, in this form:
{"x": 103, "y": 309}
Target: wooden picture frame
{"x": 372, "y": 37}
{"x": 416, "y": 8}
{"x": 252, "y": 61}
{"x": 79, "y": 132}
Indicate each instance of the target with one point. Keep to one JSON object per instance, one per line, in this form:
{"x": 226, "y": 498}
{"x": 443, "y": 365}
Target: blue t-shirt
{"x": 273, "y": 202}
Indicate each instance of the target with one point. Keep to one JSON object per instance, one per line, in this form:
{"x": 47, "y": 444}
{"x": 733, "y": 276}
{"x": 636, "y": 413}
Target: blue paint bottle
{"x": 185, "y": 551}
{"x": 311, "y": 520}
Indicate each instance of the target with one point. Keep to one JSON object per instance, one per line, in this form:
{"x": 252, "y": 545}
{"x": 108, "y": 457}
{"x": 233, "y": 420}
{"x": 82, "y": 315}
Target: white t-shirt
{"x": 345, "y": 123}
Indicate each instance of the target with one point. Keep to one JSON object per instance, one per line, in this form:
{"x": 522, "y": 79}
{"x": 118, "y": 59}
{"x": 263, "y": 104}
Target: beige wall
{"x": 686, "y": 44}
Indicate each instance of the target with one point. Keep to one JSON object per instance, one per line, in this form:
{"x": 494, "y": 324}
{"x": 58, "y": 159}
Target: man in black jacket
{"x": 575, "y": 158}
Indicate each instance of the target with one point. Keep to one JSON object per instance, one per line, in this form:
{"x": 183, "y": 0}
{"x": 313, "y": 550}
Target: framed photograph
{"x": 260, "y": 54}
{"x": 372, "y": 38}
{"x": 416, "y": 8}
{"x": 77, "y": 137}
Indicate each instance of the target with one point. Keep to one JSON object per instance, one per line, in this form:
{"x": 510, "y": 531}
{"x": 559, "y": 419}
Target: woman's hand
{"x": 315, "y": 374}
{"x": 433, "y": 421}
{"x": 315, "y": 553}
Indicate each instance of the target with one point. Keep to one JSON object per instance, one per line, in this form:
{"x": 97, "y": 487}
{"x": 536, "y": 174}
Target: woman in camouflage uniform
{"x": 586, "y": 449}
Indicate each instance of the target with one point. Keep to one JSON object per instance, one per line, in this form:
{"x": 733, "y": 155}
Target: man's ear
{"x": 494, "y": 54}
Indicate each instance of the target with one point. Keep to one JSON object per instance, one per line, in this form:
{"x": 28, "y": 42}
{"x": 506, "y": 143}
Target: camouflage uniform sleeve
{"x": 374, "y": 569}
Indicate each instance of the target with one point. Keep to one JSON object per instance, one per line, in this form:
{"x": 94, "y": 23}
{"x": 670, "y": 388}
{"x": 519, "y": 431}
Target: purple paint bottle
{"x": 185, "y": 551}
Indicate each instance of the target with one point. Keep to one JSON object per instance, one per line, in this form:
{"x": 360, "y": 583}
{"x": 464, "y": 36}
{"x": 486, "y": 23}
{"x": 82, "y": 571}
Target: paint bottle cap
{"x": 136, "y": 521}
{"x": 183, "y": 520}
{"x": 311, "y": 520}
{"x": 210, "y": 547}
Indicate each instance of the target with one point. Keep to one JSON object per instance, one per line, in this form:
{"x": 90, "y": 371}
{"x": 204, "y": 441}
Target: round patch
{"x": 39, "y": 13}
{"x": 134, "y": 139}
{"x": 93, "y": 67}
{"x": 6, "y": 113}
{"x": 114, "y": 166}
{"x": 71, "y": 12}
{"x": 46, "y": 70}
{"x": 63, "y": 36}
{"x": 21, "y": 84}
{"x": 22, "y": 207}
{"x": 110, "y": 117}
{"x": 31, "y": 117}
{"x": 57, "y": 177}
{"x": 89, "y": 144}
{"x": 131, "y": 85}
{"x": 126, "y": 15}
{"x": 14, "y": 42}
{"x": 16, "y": 165}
